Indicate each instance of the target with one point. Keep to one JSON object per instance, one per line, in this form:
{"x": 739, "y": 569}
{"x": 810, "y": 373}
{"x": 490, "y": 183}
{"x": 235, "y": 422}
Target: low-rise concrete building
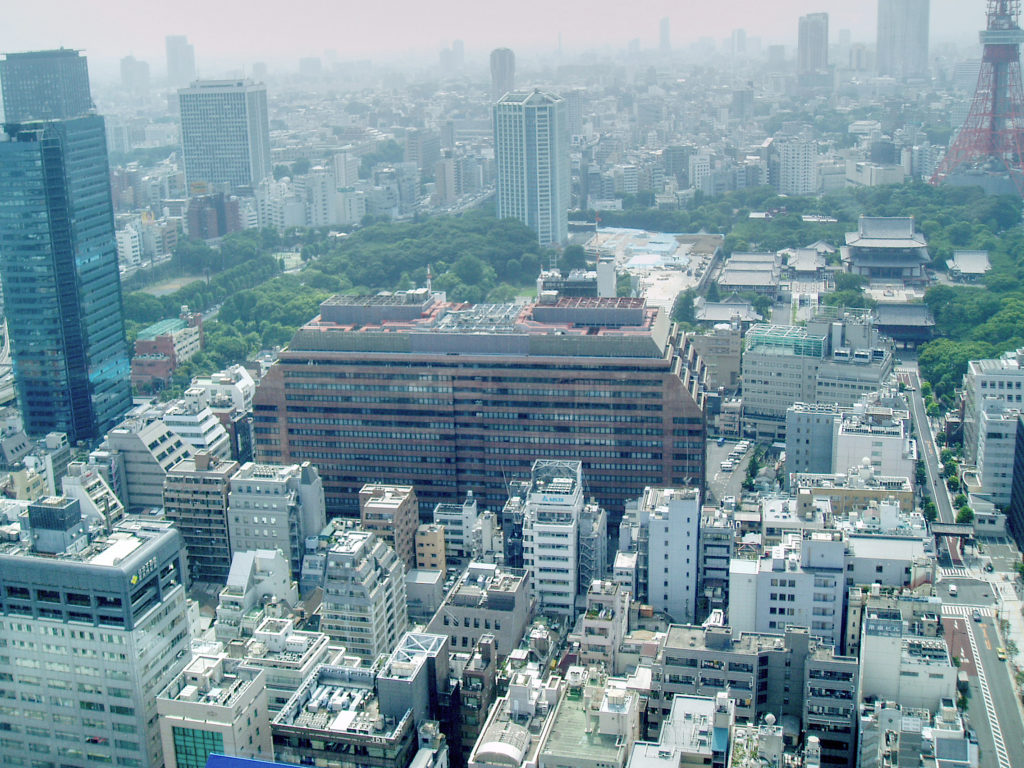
{"x": 486, "y": 600}
{"x": 335, "y": 712}
{"x": 287, "y": 655}
{"x": 216, "y": 705}
{"x": 601, "y": 627}
{"x": 799, "y": 679}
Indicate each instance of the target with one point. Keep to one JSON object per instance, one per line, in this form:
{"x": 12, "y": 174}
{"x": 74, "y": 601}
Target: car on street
{"x": 976, "y": 615}
{"x": 952, "y": 590}
{"x": 1001, "y": 653}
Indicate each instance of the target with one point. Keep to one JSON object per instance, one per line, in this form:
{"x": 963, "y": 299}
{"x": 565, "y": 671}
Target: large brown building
{"x": 407, "y": 388}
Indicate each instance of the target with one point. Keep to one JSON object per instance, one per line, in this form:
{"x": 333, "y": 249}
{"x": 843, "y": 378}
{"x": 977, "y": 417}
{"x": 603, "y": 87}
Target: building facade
{"x": 45, "y": 85}
{"x": 364, "y": 601}
{"x": 275, "y": 507}
{"x": 485, "y": 601}
{"x": 812, "y": 43}
{"x": 196, "y": 501}
{"x": 217, "y": 705}
{"x": 503, "y": 72}
{"x": 392, "y": 512}
{"x": 181, "y": 61}
{"x": 225, "y": 133}
{"x": 903, "y": 28}
{"x": 465, "y": 397}
{"x": 103, "y": 627}
{"x": 531, "y": 148}
{"x": 787, "y": 674}
{"x": 62, "y": 290}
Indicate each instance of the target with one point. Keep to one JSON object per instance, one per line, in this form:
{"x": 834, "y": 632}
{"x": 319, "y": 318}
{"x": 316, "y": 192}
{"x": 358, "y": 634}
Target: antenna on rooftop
{"x": 430, "y": 279}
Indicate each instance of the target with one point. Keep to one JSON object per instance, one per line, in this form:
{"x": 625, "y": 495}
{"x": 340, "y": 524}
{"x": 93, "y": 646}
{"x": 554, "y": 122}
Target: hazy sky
{"x": 251, "y": 30}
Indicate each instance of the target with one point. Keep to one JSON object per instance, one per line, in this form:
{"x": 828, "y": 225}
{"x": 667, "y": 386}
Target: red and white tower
{"x": 990, "y": 144}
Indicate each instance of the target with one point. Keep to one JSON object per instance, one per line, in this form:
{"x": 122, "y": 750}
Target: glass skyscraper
{"x": 531, "y": 149}
{"x": 58, "y": 262}
{"x": 45, "y": 85}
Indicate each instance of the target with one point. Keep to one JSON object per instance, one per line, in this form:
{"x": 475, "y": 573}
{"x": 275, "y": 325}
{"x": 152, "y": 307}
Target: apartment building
{"x": 364, "y": 600}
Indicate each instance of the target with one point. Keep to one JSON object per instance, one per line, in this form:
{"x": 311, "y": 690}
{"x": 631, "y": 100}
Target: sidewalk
{"x": 1010, "y": 606}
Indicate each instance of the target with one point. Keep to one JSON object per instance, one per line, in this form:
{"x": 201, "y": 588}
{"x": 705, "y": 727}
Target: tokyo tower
{"x": 989, "y": 150}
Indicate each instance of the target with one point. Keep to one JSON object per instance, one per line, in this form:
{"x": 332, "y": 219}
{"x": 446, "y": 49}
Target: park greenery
{"x": 474, "y": 257}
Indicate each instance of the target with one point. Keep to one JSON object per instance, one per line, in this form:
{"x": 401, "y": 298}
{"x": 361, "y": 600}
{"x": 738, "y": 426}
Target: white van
{"x": 952, "y": 590}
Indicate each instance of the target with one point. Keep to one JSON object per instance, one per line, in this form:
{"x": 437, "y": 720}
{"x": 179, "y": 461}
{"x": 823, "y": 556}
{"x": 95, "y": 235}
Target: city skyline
{"x": 372, "y": 34}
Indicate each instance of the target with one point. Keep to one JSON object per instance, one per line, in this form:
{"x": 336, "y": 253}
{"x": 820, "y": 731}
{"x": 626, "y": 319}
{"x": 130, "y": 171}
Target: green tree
{"x": 573, "y": 257}
{"x": 683, "y": 309}
{"x": 965, "y": 516}
{"x": 930, "y": 511}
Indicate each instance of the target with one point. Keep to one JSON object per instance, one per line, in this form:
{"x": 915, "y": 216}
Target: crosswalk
{"x": 967, "y": 611}
{"x": 953, "y": 572}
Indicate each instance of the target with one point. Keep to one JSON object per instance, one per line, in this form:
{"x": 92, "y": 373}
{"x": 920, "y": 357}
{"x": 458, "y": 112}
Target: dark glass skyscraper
{"x": 58, "y": 262}
{"x": 45, "y": 85}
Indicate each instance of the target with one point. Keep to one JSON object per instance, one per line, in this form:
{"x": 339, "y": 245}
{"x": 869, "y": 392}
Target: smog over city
{"x": 538, "y": 385}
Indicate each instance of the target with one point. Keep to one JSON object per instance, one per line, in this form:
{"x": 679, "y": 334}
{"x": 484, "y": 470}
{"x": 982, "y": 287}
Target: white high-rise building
{"x": 800, "y": 582}
{"x": 673, "y": 519}
{"x": 551, "y": 526}
{"x": 364, "y": 602}
{"x": 989, "y": 384}
{"x": 321, "y": 197}
{"x": 531, "y": 150}
{"x": 564, "y": 539}
{"x": 903, "y": 38}
{"x": 346, "y": 170}
{"x": 997, "y": 442}
{"x": 94, "y": 626}
{"x": 276, "y": 507}
{"x": 129, "y": 247}
{"x": 193, "y": 421}
{"x": 798, "y": 167}
{"x": 225, "y": 132}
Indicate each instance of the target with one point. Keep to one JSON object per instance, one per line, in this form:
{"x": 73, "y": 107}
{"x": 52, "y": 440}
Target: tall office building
{"x": 58, "y": 252}
{"x": 45, "y": 85}
{"x": 196, "y": 493}
{"x": 225, "y": 132}
{"x": 531, "y": 146}
{"x": 97, "y": 622}
{"x": 665, "y": 35}
{"x": 457, "y": 398}
{"x": 181, "y": 61}
{"x": 812, "y": 43}
{"x": 903, "y": 38}
{"x": 503, "y": 72}
{"x": 798, "y": 167}
{"x": 134, "y": 76}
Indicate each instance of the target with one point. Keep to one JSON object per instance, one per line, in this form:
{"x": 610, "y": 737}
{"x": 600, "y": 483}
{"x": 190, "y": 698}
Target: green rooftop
{"x": 161, "y": 329}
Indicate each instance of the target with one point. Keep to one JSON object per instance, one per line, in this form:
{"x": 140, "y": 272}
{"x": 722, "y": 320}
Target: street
{"x": 991, "y": 704}
{"x": 927, "y": 450}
